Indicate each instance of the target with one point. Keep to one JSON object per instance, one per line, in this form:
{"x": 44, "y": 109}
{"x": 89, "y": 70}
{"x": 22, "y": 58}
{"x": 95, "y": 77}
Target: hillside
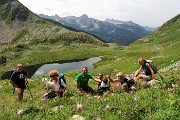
{"x": 17, "y": 23}
{"x": 163, "y": 43}
{"x": 21, "y": 29}
{"x": 113, "y": 31}
{"x": 147, "y": 28}
{"x": 160, "y": 101}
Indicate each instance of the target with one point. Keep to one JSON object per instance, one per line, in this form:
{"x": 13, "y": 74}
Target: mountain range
{"x": 20, "y": 28}
{"x": 18, "y": 23}
{"x": 35, "y": 42}
{"x": 114, "y": 31}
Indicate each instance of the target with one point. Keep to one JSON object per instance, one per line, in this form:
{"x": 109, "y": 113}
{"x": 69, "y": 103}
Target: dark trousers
{"x": 102, "y": 90}
{"x": 89, "y": 90}
{"x": 53, "y": 94}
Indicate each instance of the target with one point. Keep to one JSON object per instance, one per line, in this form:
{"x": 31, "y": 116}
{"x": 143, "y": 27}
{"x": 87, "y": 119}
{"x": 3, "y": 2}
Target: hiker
{"x": 82, "y": 81}
{"x": 59, "y": 86}
{"x": 18, "y": 79}
{"x": 147, "y": 73}
{"x": 125, "y": 82}
{"x": 104, "y": 85}
{"x": 100, "y": 77}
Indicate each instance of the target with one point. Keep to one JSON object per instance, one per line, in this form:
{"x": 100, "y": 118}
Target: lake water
{"x": 66, "y": 67}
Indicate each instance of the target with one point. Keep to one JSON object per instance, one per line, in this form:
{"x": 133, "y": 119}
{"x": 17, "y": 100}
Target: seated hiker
{"x": 82, "y": 81}
{"x": 18, "y": 80}
{"x": 58, "y": 84}
{"x": 100, "y": 77}
{"x": 147, "y": 74}
{"x": 125, "y": 82}
{"x": 104, "y": 85}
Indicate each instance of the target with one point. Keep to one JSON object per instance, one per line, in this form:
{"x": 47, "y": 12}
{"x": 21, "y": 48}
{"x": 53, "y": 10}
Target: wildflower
{"x": 77, "y": 117}
{"x": 98, "y": 118}
{"x": 55, "y": 109}
{"x": 135, "y": 98}
{"x": 108, "y": 107}
{"x": 170, "y": 89}
{"x": 20, "y": 112}
{"x": 119, "y": 112}
{"x": 79, "y": 107}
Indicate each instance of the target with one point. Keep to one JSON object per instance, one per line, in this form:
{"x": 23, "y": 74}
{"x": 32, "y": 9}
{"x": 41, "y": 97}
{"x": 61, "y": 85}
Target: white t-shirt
{"x": 57, "y": 86}
{"x": 103, "y": 84}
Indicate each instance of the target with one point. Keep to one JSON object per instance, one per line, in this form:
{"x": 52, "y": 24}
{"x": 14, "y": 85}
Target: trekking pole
{"x": 13, "y": 90}
{"x": 29, "y": 90}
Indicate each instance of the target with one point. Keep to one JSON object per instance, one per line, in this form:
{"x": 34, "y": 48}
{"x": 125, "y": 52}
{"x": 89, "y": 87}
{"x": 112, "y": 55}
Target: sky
{"x": 152, "y": 13}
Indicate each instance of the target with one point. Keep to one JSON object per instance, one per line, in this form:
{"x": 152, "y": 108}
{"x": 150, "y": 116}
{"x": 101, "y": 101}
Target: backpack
{"x": 11, "y": 72}
{"x": 150, "y": 62}
{"x": 62, "y": 77}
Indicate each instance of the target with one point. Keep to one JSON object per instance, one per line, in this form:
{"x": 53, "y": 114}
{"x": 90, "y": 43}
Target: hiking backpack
{"x": 152, "y": 66}
{"x": 11, "y": 72}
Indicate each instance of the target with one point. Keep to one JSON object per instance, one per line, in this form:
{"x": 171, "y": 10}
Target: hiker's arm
{"x": 60, "y": 90}
{"x": 78, "y": 86}
{"x": 152, "y": 72}
{"x": 14, "y": 85}
{"x": 115, "y": 80}
{"x": 64, "y": 85}
{"x": 110, "y": 79}
{"x": 138, "y": 71}
{"x": 97, "y": 80}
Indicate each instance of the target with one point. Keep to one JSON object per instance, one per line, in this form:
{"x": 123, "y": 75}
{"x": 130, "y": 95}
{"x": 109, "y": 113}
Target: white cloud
{"x": 143, "y": 12}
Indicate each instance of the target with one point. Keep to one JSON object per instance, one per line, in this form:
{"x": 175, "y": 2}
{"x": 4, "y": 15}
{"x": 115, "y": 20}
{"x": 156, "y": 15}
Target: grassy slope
{"x": 148, "y": 102}
{"x": 24, "y": 32}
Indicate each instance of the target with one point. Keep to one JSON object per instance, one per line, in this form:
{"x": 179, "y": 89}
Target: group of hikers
{"x": 127, "y": 83}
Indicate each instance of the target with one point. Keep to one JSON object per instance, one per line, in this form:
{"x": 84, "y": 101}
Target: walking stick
{"x": 29, "y": 90}
{"x": 13, "y": 90}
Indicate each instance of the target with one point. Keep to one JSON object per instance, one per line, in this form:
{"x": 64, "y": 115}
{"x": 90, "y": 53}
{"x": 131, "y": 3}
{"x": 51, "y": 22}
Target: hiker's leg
{"x": 61, "y": 94}
{"x": 141, "y": 76}
{"x": 90, "y": 90}
{"x": 124, "y": 86}
{"x": 146, "y": 78}
{"x": 106, "y": 91}
{"x": 52, "y": 94}
{"x": 136, "y": 78}
{"x": 100, "y": 91}
{"x": 118, "y": 85}
{"x": 20, "y": 93}
{"x": 132, "y": 89}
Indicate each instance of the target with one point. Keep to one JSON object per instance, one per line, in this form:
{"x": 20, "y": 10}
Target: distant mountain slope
{"x": 147, "y": 28}
{"x": 18, "y": 24}
{"x": 167, "y": 33}
{"x": 163, "y": 44}
{"x": 109, "y": 30}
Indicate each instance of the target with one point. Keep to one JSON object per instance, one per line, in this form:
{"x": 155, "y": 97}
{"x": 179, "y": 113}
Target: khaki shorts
{"x": 147, "y": 78}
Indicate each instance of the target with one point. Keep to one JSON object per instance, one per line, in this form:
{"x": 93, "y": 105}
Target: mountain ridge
{"x": 123, "y": 32}
{"x": 18, "y": 23}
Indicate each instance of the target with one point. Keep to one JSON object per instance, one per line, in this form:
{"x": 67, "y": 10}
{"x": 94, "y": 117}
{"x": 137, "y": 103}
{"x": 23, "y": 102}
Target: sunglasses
{"x": 119, "y": 76}
{"x": 53, "y": 76}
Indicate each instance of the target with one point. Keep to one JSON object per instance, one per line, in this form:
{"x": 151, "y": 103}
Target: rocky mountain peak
{"x": 84, "y": 16}
{"x": 112, "y": 21}
{"x": 6, "y": 1}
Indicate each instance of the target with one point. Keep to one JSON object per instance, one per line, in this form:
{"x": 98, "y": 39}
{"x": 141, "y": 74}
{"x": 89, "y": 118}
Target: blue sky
{"x": 143, "y": 12}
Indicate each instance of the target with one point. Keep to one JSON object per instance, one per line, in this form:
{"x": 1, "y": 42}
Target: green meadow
{"x": 160, "y": 101}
